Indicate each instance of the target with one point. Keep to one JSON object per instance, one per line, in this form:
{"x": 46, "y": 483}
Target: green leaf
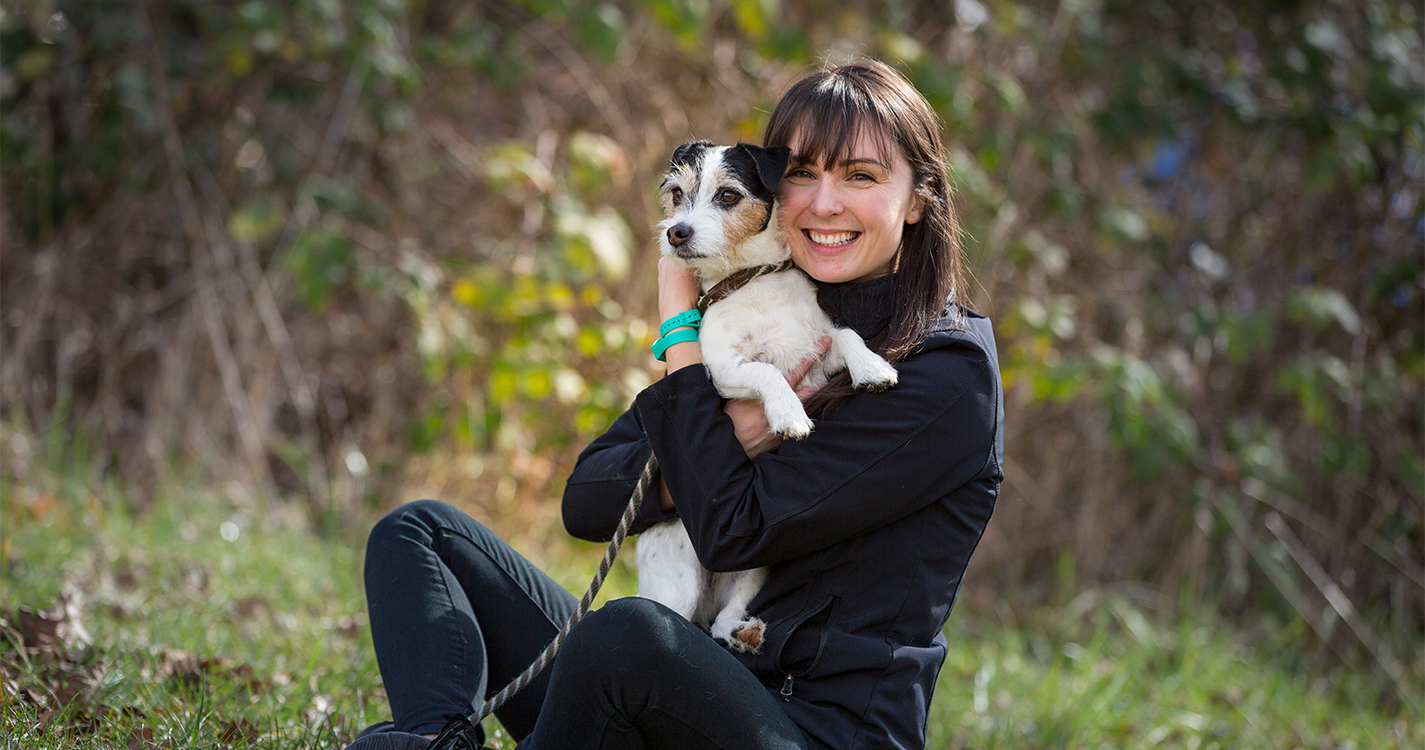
{"x": 256, "y": 221}
{"x": 1319, "y": 307}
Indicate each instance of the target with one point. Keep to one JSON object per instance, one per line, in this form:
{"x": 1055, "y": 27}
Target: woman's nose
{"x": 825, "y": 201}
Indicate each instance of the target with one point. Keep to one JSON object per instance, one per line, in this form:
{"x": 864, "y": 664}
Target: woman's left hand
{"x": 749, "y": 420}
{"x": 678, "y": 291}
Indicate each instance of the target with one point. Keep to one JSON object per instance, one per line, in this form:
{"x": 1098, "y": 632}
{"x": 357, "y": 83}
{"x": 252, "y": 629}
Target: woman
{"x": 867, "y": 525}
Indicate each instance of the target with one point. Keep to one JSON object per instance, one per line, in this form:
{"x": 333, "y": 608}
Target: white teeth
{"x": 839, "y": 238}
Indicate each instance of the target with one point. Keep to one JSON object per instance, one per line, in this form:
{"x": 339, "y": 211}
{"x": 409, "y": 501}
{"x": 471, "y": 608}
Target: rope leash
{"x": 460, "y": 729}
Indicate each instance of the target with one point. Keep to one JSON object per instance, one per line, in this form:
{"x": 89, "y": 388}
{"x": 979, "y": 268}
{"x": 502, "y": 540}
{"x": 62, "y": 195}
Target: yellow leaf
{"x": 467, "y": 293}
{"x": 502, "y": 385}
{"x": 537, "y": 384}
{"x": 239, "y": 60}
{"x": 589, "y": 342}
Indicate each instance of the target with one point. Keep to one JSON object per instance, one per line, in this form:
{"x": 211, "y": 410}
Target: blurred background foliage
{"x": 353, "y": 253}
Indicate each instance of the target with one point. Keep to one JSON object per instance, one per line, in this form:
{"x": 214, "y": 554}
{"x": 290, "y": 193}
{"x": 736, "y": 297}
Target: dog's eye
{"x": 677, "y": 195}
{"x": 729, "y": 198}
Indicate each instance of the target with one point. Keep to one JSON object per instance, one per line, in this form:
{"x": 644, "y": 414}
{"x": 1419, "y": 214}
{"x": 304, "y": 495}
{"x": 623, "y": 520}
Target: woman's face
{"x": 845, "y": 223}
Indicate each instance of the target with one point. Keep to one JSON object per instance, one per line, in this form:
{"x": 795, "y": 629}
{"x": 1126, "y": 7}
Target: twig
{"x": 196, "y": 228}
{"x": 466, "y": 155}
{"x": 1279, "y": 578}
{"x": 1339, "y": 602}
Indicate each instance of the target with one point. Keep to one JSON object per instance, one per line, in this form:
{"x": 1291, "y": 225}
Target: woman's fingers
{"x": 678, "y": 288}
{"x": 795, "y": 375}
{"x": 749, "y": 424}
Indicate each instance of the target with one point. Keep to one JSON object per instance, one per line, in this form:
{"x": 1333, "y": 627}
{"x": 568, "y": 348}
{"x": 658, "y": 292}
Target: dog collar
{"x": 738, "y": 280}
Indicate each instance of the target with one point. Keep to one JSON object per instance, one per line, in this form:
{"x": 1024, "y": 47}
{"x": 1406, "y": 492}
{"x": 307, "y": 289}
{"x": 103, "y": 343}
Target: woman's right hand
{"x": 749, "y": 420}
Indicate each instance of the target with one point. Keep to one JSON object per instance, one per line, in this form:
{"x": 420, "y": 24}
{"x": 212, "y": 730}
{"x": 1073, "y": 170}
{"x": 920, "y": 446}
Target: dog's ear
{"x": 771, "y": 163}
{"x": 689, "y": 153}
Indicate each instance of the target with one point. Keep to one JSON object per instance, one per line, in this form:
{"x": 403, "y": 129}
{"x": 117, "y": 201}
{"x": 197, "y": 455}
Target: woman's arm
{"x": 875, "y": 458}
{"x": 603, "y": 480}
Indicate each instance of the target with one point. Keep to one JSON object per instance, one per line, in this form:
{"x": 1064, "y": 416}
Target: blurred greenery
{"x": 348, "y": 254}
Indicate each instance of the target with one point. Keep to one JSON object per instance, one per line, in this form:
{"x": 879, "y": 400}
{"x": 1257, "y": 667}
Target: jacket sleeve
{"x": 603, "y": 480}
{"x": 875, "y": 458}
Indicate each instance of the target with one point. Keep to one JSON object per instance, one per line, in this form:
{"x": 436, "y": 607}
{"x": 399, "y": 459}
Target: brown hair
{"x": 830, "y": 108}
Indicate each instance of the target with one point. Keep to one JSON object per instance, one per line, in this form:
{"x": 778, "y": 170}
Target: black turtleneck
{"x": 864, "y": 307}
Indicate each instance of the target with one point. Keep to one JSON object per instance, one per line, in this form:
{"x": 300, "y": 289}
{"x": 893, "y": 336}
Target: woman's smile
{"x": 836, "y": 240}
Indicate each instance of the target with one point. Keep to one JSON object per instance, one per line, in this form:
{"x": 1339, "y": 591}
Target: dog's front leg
{"x": 867, "y": 368}
{"x": 736, "y": 376}
{"x": 668, "y": 569}
{"x": 732, "y": 625}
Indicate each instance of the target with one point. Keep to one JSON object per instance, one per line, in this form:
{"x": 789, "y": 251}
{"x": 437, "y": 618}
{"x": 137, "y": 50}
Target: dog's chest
{"x": 773, "y": 319}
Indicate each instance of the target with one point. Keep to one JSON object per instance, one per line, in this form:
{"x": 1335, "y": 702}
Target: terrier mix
{"x": 722, "y": 223}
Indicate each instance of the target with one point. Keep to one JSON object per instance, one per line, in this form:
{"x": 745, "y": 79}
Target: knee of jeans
{"x": 398, "y": 524}
{"x": 624, "y": 631}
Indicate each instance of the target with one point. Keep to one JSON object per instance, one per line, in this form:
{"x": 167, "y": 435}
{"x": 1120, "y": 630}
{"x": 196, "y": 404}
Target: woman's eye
{"x": 729, "y": 197}
{"x": 862, "y": 176}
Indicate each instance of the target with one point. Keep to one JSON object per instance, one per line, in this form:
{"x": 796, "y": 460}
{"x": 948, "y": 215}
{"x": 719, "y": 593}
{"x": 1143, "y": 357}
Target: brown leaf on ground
{"x": 251, "y": 607}
{"x": 241, "y": 730}
{"x": 127, "y": 576}
{"x": 37, "y": 630}
{"x": 347, "y": 626}
{"x": 75, "y": 684}
{"x": 182, "y": 666}
{"x": 52, "y": 632}
{"x": 142, "y": 739}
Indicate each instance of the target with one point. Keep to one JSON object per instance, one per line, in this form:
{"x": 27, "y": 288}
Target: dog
{"x": 720, "y": 203}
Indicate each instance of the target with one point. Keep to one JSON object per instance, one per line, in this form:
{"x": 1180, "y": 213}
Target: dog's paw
{"x": 789, "y": 420}
{"x": 877, "y": 375}
{"x": 747, "y": 637}
{"x": 796, "y": 430}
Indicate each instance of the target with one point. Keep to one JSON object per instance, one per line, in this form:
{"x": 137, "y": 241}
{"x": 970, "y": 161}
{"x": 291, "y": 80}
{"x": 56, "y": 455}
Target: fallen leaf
{"x": 241, "y": 730}
{"x": 37, "y": 630}
{"x": 347, "y": 626}
{"x": 76, "y": 684}
{"x": 141, "y": 739}
{"x": 251, "y": 606}
{"x": 50, "y": 633}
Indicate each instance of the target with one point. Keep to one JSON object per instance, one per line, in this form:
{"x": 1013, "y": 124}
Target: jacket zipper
{"x": 787, "y": 689}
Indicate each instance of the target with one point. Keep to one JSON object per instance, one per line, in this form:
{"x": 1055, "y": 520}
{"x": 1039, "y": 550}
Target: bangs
{"x": 829, "y": 117}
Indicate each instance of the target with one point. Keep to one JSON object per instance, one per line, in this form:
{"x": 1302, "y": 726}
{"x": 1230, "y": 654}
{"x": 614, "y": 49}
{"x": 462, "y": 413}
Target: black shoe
{"x": 458, "y": 734}
{"x": 390, "y": 740}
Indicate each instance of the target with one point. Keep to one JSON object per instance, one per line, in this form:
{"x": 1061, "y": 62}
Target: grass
{"x": 222, "y": 623}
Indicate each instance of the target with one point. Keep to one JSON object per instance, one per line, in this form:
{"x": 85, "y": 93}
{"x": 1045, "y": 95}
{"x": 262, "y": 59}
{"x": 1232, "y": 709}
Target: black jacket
{"x": 867, "y": 525}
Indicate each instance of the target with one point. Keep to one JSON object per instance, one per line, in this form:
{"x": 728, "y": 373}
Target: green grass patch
{"x": 221, "y": 623}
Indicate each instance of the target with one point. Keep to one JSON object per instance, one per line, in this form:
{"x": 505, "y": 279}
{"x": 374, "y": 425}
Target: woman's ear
{"x": 917, "y": 209}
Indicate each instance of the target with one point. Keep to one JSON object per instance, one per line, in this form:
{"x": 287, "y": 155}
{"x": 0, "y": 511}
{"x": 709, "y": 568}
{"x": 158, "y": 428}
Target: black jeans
{"x": 456, "y": 614}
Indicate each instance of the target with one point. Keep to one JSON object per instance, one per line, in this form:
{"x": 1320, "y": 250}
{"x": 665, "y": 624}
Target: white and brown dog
{"x": 722, "y": 223}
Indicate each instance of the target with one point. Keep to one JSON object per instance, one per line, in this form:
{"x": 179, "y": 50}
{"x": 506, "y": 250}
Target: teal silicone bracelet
{"x": 691, "y": 318}
{"x": 676, "y": 337}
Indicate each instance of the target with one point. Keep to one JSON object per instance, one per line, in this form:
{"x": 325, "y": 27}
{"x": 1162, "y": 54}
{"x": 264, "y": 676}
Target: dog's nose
{"x": 678, "y": 234}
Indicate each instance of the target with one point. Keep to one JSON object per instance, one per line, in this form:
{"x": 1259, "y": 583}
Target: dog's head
{"x": 719, "y": 201}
